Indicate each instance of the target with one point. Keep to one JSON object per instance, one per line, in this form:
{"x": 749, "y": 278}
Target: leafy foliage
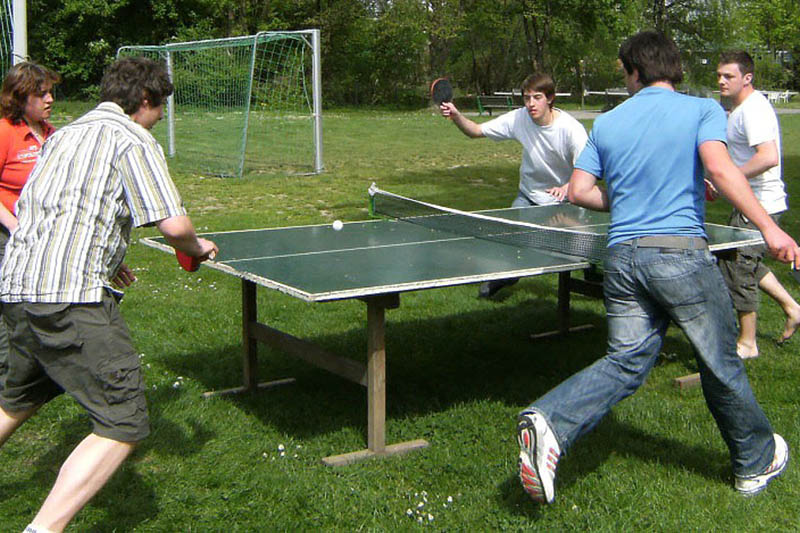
{"x": 386, "y": 52}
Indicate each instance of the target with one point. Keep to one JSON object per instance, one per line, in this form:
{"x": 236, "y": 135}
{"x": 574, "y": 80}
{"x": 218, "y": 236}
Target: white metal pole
{"x": 170, "y": 110}
{"x": 20, "y": 51}
{"x": 316, "y": 68}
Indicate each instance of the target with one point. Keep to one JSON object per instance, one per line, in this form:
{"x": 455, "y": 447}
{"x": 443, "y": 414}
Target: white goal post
{"x": 243, "y": 105}
{"x": 13, "y": 33}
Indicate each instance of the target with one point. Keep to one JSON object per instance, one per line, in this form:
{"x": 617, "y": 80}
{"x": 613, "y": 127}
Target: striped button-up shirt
{"x": 95, "y": 179}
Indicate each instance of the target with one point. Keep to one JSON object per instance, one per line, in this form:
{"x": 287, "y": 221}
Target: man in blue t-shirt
{"x": 651, "y": 151}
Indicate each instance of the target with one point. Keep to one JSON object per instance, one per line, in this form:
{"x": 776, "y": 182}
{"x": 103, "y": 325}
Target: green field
{"x": 459, "y": 370}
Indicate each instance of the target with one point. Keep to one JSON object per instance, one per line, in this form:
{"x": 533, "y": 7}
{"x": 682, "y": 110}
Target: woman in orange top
{"x": 25, "y": 104}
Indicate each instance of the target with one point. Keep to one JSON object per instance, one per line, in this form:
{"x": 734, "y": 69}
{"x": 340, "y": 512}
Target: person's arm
{"x": 577, "y": 142}
{"x": 765, "y": 158}
{"x": 583, "y": 191}
{"x": 732, "y": 184}
{"x": 7, "y": 218}
{"x": 179, "y": 233}
{"x": 468, "y": 127}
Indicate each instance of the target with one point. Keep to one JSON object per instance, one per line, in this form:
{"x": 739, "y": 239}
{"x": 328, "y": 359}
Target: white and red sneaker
{"x": 538, "y": 457}
{"x": 750, "y": 486}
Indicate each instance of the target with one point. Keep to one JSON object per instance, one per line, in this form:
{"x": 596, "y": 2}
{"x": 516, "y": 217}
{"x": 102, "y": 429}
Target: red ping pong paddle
{"x": 187, "y": 262}
{"x": 710, "y": 196}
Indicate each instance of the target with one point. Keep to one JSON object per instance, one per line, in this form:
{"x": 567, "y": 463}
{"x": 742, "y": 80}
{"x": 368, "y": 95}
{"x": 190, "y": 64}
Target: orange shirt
{"x": 19, "y": 150}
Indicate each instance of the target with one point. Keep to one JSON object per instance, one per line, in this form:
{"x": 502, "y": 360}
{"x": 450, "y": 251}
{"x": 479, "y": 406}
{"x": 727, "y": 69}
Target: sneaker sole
{"x": 529, "y": 475}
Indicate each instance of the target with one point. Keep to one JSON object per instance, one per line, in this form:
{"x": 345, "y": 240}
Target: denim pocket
{"x": 680, "y": 281}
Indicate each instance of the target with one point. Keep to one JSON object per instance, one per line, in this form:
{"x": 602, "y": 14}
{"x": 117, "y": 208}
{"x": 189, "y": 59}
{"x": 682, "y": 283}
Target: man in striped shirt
{"x": 95, "y": 179}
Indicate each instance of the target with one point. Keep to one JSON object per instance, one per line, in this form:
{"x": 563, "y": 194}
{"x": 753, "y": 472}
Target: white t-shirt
{"x": 548, "y": 152}
{"x": 751, "y": 123}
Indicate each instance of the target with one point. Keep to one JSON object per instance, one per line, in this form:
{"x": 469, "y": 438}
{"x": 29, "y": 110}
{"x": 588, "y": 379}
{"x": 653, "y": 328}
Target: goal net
{"x": 6, "y": 36}
{"x": 242, "y": 105}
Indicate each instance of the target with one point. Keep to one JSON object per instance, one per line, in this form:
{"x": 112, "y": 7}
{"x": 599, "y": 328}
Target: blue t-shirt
{"x": 646, "y": 149}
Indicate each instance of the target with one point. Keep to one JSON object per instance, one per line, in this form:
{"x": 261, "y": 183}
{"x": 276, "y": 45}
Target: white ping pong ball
{"x": 337, "y": 225}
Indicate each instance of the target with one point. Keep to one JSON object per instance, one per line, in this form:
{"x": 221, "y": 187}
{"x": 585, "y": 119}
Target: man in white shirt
{"x": 754, "y": 144}
{"x": 551, "y": 142}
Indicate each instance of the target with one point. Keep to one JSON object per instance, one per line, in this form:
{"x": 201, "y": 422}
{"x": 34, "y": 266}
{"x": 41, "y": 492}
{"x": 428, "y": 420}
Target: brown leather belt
{"x": 668, "y": 241}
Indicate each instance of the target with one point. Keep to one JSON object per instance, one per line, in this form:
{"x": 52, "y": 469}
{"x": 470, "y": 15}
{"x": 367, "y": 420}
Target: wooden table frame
{"x": 373, "y": 374}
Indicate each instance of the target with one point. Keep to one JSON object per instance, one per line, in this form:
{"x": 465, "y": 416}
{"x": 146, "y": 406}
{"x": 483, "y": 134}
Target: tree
{"x": 79, "y": 38}
{"x": 773, "y": 39}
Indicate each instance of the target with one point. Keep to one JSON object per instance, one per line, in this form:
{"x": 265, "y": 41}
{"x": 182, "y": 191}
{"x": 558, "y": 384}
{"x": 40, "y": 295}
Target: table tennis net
{"x": 580, "y": 243}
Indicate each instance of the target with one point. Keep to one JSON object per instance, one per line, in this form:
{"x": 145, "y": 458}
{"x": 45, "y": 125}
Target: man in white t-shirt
{"x": 754, "y": 144}
{"x": 551, "y": 142}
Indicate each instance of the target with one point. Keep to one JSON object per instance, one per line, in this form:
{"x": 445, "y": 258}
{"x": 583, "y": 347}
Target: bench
{"x": 778, "y": 97}
{"x": 506, "y": 100}
{"x": 488, "y": 102}
{"x": 613, "y": 97}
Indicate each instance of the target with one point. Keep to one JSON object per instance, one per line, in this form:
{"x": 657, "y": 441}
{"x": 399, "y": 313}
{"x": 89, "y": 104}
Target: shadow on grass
{"x": 432, "y": 364}
{"x": 619, "y": 439}
{"x": 127, "y": 499}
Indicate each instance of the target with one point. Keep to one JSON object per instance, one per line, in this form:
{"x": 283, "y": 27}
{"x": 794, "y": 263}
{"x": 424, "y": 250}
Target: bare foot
{"x": 746, "y": 351}
{"x": 792, "y": 323}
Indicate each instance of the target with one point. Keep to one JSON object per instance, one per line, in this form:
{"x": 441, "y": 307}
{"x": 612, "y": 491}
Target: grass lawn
{"x": 459, "y": 370}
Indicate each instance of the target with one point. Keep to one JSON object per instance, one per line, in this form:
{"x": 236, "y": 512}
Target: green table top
{"x": 317, "y": 263}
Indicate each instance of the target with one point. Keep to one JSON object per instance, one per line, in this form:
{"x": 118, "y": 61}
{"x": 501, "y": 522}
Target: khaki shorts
{"x": 743, "y": 273}
{"x": 84, "y": 350}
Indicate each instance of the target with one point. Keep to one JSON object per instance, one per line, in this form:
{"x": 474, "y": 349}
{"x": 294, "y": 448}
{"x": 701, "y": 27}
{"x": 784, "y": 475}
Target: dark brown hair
{"x": 541, "y": 83}
{"x": 654, "y": 56}
{"x": 131, "y": 80}
{"x": 739, "y": 57}
{"x": 22, "y": 80}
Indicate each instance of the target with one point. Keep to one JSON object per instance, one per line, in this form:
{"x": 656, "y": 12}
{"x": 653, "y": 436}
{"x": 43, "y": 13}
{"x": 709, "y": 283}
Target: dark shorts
{"x": 743, "y": 273}
{"x": 84, "y": 350}
{"x": 4, "y": 236}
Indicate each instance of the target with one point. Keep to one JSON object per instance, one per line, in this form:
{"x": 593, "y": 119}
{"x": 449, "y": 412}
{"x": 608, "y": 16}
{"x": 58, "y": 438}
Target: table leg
{"x": 249, "y": 342}
{"x": 566, "y": 286}
{"x": 373, "y": 377}
{"x": 376, "y": 389}
{"x": 563, "y": 302}
{"x": 250, "y": 338}
{"x": 376, "y": 377}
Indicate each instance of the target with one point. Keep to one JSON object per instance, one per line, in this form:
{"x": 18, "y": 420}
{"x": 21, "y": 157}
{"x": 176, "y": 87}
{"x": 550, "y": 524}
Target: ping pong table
{"x": 375, "y": 261}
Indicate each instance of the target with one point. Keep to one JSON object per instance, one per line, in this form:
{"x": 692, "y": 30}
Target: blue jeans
{"x": 522, "y": 201}
{"x": 645, "y": 289}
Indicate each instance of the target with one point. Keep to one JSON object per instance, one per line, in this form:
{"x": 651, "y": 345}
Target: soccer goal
{"x": 13, "y": 33}
{"x": 241, "y": 105}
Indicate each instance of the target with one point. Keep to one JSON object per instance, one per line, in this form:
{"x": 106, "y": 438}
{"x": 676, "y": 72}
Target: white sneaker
{"x": 538, "y": 457}
{"x": 750, "y": 486}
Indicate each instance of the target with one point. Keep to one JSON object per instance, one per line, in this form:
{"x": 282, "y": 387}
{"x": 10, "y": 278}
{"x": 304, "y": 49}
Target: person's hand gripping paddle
{"x": 187, "y": 262}
{"x": 191, "y": 263}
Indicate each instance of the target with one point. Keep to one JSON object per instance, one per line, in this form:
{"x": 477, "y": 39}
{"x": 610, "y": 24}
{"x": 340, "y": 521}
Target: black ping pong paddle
{"x": 441, "y": 91}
